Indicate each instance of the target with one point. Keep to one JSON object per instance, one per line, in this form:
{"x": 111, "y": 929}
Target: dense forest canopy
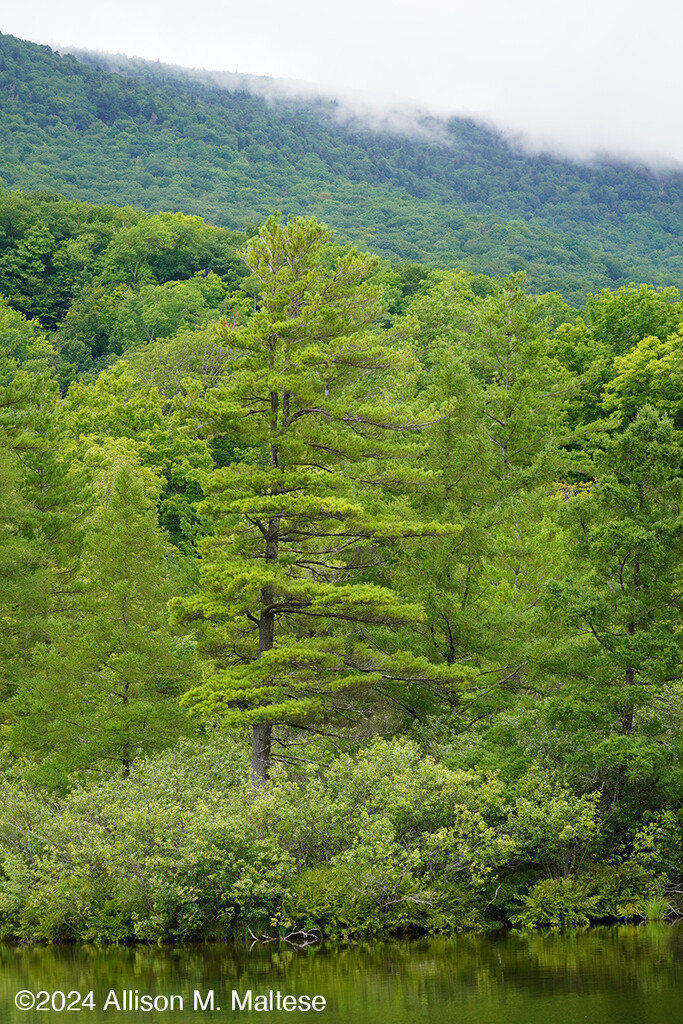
{"x": 340, "y": 591}
{"x": 466, "y": 197}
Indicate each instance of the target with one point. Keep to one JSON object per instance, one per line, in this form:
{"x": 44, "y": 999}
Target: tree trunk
{"x": 262, "y": 731}
{"x": 260, "y": 754}
{"x": 626, "y": 720}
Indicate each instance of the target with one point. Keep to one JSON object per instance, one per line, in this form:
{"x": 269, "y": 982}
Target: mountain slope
{"x": 161, "y": 141}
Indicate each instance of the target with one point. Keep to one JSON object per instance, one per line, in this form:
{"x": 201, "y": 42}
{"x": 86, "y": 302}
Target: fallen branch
{"x": 306, "y": 937}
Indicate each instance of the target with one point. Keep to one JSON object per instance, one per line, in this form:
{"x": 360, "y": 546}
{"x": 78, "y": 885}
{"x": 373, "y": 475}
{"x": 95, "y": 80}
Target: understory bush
{"x": 384, "y": 841}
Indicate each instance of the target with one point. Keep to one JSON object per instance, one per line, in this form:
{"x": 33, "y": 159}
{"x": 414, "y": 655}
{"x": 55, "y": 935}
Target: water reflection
{"x": 606, "y": 975}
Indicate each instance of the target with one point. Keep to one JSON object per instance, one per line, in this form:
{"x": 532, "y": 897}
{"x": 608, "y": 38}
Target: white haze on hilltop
{"x": 377, "y": 112}
{"x": 594, "y": 77}
{"x": 343, "y": 108}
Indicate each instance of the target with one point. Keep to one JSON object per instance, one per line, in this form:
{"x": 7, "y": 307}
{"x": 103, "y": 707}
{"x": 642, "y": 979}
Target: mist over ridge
{"x": 381, "y": 112}
{"x": 342, "y": 107}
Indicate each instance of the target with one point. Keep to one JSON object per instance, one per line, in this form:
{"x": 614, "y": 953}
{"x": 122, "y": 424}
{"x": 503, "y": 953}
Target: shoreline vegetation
{"x": 340, "y": 596}
{"x": 385, "y": 843}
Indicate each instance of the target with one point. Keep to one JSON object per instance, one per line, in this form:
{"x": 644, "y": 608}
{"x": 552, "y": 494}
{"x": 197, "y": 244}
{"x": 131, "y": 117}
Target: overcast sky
{"x": 585, "y": 76}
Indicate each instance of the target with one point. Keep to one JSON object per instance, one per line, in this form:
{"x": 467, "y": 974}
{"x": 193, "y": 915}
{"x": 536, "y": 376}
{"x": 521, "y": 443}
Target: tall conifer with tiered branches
{"x": 290, "y": 582}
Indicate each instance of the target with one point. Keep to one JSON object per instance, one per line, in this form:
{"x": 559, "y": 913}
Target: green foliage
{"x": 48, "y": 486}
{"x": 160, "y": 311}
{"x": 648, "y": 374}
{"x": 22, "y": 344}
{"x": 118, "y": 405}
{"x": 621, "y": 604}
{"x": 349, "y": 492}
{"x": 621, "y": 318}
{"x": 552, "y": 824}
{"x": 495, "y": 449}
{"x": 558, "y": 903}
{"x": 159, "y": 856}
{"x": 25, "y": 578}
{"x": 179, "y": 850}
{"x": 384, "y": 841}
{"x": 110, "y": 279}
{"x": 657, "y": 846}
{"x": 619, "y": 892}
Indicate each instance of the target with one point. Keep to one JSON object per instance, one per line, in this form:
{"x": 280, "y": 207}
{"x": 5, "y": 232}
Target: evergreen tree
{"x": 105, "y": 689}
{"x": 25, "y": 579}
{"x": 289, "y": 576}
{"x": 496, "y": 447}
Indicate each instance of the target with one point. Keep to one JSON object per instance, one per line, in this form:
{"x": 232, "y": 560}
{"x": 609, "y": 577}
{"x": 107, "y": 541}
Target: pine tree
{"x": 289, "y": 575}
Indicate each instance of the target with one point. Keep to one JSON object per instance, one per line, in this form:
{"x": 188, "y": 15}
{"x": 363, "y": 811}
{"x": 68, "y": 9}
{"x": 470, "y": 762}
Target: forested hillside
{"x": 161, "y": 141}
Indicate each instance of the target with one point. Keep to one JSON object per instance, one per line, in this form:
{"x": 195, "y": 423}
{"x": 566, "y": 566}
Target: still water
{"x": 625, "y": 975}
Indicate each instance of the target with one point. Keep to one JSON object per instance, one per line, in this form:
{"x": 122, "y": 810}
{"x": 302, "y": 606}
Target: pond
{"x": 621, "y": 975}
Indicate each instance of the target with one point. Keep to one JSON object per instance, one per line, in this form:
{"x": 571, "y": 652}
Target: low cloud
{"x": 569, "y": 131}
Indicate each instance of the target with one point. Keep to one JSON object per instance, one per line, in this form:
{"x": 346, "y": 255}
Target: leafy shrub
{"x": 620, "y": 891}
{"x": 551, "y": 824}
